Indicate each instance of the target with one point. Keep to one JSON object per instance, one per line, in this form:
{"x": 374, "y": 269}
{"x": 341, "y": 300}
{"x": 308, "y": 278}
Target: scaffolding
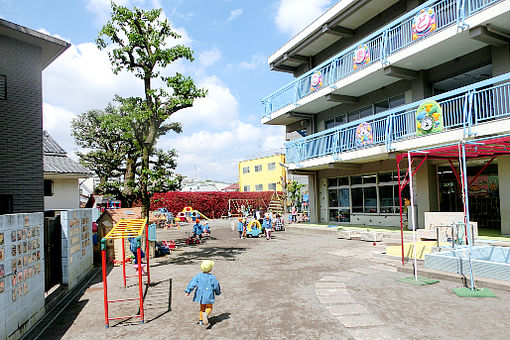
{"x": 126, "y": 229}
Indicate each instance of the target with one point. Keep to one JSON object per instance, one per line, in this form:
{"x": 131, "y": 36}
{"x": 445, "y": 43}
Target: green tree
{"x": 111, "y": 152}
{"x": 138, "y": 41}
{"x": 100, "y": 133}
{"x": 294, "y": 191}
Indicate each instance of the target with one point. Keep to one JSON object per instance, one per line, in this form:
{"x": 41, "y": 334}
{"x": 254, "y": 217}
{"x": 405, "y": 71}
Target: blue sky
{"x": 232, "y": 40}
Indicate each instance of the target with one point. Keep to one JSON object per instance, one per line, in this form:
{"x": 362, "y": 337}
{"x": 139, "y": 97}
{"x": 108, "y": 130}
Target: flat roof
{"x": 51, "y": 47}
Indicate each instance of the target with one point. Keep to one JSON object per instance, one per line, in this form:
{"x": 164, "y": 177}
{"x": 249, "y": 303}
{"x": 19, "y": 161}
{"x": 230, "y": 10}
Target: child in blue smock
{"x": 267, "y": 225}
{"x": 207, "y": 287}
{"x": 241, "y": 226}
{"x": 197, "y": 229}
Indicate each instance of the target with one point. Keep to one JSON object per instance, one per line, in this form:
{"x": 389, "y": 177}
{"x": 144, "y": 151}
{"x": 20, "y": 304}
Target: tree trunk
{"x": 146, "y": 200}
{"x": 129, "y": 178}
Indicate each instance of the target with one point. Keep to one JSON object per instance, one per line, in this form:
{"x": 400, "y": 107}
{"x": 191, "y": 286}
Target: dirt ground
{"x": 292, "y": 287}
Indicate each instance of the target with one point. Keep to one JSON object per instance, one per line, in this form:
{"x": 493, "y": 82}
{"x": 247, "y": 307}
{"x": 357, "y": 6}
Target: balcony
{"x": 467, "y": 111}
{"x": 381, "y": 48}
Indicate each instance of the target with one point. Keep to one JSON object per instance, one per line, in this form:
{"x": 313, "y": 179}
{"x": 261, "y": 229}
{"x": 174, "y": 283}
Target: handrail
{"x": 463, "y": 108}
{"x": 291, "y": 92}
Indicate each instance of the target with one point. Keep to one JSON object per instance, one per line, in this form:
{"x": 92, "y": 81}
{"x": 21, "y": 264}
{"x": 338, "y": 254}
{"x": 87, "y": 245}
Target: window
{"x": 6, "y": 204}
{"x": 259, "y": 187}
{"x": 48, "y": 187}
{"x": 246, "y": 188}
{"x": 246, "y": 170}
{"x": 258, "y": 168}
{"x": 397, "y": 100}
{"x": 271, "y": 166}
{"x": 364, "y": 194}
{"x": 271, "y": 187}
{"x": 3, "y": 87}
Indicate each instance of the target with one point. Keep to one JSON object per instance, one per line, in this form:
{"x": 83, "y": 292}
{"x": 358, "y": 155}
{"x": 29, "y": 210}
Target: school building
{"x": 262, "y": 174}
{"x": 377, "y": 78}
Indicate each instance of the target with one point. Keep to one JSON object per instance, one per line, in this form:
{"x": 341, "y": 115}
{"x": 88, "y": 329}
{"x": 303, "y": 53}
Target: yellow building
{"x": 262, "y": 174}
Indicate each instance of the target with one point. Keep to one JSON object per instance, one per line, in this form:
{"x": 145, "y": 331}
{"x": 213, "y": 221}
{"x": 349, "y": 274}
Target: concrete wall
{"x": 22, "y": 260}
{"x": 66, "y": 195}
{"x": 21, "y": 116}
{"x": 77, "y": 257}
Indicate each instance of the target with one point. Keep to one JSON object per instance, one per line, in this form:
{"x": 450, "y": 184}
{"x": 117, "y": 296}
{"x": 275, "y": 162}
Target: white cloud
{"x": 57, "y": 121}
{"x": 294, "y": 15}
{"x": 256, "y": 61}
{"x": 216, "y": 154}
{"x": 234, "y": 14}
{"x": 209, "y": 57}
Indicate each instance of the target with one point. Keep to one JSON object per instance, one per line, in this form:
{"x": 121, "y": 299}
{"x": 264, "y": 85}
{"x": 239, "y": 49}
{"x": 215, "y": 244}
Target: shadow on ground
{"x": 190, "y": 257}
{"x": 213, "y": 320}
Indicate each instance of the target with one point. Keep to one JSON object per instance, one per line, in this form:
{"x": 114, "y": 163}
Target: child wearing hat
{"x": 197, "y": 229}
{"x": 207, "y": 287}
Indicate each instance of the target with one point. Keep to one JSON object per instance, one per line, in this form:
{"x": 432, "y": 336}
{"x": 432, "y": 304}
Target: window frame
{"x": 3, "y": 92}
{"x": 259, "y": 186}
{"x": 271, "y": 166}
{"x": 246, "y": 170}
{"x": 259, "y": 167}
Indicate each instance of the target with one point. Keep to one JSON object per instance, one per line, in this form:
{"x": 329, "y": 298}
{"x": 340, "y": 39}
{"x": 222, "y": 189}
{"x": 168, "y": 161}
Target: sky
{"x": 231, "y": 40}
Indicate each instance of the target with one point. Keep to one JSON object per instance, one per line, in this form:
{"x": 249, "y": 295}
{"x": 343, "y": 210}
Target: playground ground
{"x": 293, "y": 287}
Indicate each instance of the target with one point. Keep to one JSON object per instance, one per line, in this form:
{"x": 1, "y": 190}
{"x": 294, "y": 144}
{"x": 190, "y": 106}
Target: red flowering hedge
{"x": 212, "y": 204}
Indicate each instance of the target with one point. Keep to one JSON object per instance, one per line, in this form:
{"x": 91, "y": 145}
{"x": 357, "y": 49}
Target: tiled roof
{"x": 56, "y": 161}
{"x": 50, "y": 146}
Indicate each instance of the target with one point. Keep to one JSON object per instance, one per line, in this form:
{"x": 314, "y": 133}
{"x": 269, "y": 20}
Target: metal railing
{"x": 461, "y": 108}
{"x": 381, "y": 44}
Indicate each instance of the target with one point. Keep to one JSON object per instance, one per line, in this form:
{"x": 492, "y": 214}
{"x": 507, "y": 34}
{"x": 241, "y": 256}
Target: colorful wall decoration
{"x": 429, "y": 118}
{"x": 364, "y": 134}
{"x": 361, "y": 56}
{"x": 316, "y": 81}
{"x": 424, "y": 22}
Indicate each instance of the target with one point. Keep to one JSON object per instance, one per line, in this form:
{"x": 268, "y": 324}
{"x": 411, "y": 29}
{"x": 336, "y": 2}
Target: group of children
{"x": 268, "y": 224}
{"x": 200, "y": 230}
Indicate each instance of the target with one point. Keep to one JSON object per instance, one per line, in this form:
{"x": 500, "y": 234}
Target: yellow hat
{"x": 206, "y": 266}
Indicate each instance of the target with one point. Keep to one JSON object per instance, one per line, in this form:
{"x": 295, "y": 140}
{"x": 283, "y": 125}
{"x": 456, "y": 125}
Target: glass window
{"x": 387, "y": 199}
{"x": 342, "y": 119}
{"x": 356, "y": 180}
{"x": 370, "y": 199}
{"x": 332, "y": 182}
{"x": 369, "y": 178}
{"x": 344, "y": 215}
{"x": 259, "y": 187}
{"x": 246, "y": 170}
{"x": 330, "y": 123}
{"x": 366, "y": 111}
{"x": 48, "y": 187}
{"x": 343, "y": 181}
{"x": 352, "y": 116}
{"x": 333, "y": 198}
{"x": 271, "y": 186}
{"x": 246, "y": 188}
{"x": 271, "y": 166}
{"x": 397, "y": 100}
{"x": 385, "y": 177}
{"x": 258, "y": 168}
{"x": 343, "y": 197}
{"x": 381, "y": 106}
{"x": 333, "y": 215}
{"x": 357, "y": 199}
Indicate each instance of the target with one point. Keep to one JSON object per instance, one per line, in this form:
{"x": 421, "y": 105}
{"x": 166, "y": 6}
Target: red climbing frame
{"x": 133, "y": 228}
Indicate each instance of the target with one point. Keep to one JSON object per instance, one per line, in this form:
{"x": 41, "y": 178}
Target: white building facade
{"x": 377, "y": 78}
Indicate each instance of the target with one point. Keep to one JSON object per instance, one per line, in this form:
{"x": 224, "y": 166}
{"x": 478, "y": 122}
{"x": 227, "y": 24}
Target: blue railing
{"x": 461, "y": 108}
{"x": 386, "y": 41}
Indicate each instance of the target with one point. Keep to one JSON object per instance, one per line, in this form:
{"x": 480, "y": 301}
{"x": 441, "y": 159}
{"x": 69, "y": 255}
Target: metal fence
{"x": 461, "y": 108}
{"x": 380, "y": 45}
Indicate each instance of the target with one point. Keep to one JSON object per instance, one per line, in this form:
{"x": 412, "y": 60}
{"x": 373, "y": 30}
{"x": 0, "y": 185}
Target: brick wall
{"x": 21, "y": 173}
